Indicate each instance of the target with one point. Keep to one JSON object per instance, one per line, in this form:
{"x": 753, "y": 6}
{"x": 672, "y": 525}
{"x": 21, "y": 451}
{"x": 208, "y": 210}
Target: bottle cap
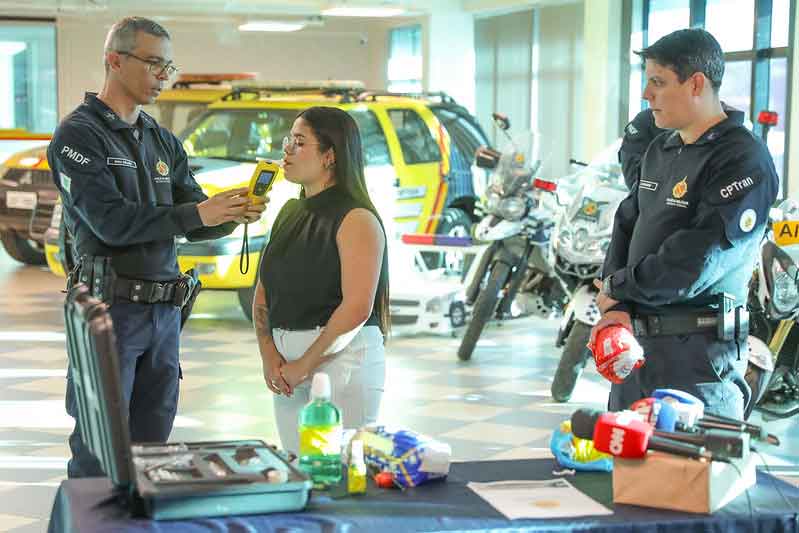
{"x": 320, "y": 386}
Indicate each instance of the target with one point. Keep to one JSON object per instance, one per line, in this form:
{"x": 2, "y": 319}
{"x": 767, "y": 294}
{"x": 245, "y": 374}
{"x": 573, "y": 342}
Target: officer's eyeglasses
{"x": 155, "y": 67}
{"x": 292, "y": 143}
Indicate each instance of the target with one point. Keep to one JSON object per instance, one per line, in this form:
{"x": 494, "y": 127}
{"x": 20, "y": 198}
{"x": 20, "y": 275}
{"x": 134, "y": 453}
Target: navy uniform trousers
{"x": 147, "y": 339}
{"x": 699, "y": 364}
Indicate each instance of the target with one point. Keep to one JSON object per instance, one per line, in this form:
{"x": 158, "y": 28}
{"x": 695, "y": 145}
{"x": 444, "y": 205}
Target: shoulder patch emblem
{"x": 632, "y": 130}
{"x": 681, "y": 188}
{"x": 748, "y": 220}
{"x": 162, "y": 168}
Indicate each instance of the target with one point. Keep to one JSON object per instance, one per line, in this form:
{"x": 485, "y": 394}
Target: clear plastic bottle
{"x": 356, "y": 471}
{"x": 320, "y": 435}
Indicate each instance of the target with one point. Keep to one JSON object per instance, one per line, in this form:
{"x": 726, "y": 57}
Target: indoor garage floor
{"x": 497, "y": 406}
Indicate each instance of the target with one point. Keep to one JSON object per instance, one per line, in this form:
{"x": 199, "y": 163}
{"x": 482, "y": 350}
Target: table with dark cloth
{"x": 84, "y": 506}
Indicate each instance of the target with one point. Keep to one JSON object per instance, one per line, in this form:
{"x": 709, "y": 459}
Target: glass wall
{"x": 405, "y": 59}
{"x": 754, "y": 35}
{"x": 28, "y": 94}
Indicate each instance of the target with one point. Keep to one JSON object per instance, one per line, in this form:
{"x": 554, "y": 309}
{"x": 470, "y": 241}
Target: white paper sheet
{"x": 555, "y": 498}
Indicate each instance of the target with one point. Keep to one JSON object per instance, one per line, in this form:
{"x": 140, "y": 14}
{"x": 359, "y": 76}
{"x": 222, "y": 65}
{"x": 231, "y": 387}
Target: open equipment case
{"x": 173, "y": 480}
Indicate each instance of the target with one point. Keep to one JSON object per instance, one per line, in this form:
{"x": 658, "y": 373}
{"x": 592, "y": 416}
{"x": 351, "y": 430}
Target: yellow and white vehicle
{"x": 417, "y": 153}
{"x": 174, "y": 109}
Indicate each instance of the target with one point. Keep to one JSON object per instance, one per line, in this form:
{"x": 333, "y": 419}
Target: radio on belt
{"x": 262, "y": 179}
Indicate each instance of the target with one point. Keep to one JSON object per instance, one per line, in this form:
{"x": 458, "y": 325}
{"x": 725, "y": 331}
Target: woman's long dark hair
{"x": 336, "y": 129}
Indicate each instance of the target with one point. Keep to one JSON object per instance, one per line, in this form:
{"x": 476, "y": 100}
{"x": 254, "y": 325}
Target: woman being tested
{"x": 321, "y": 302}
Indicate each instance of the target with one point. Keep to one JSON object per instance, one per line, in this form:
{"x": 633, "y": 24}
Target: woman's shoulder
{"x": 359, "y": 222}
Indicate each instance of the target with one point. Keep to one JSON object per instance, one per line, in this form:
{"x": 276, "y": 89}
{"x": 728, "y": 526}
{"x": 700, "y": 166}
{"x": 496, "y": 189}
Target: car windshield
{"x": 254, "y": 134}
{"x": 240, "y": 134}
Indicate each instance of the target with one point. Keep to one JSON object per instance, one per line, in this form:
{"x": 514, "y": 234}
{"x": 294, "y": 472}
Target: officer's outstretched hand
{"x": 225, "y": 206}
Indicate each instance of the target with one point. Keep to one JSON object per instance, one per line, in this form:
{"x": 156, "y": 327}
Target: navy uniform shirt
{"x": 637, "y": 135}
{"x": 127, "y": 190}
{"x": 692, "y": 224}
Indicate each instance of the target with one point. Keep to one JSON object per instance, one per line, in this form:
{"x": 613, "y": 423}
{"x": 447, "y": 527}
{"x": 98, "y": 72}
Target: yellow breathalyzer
{"x": 263, "y": 177}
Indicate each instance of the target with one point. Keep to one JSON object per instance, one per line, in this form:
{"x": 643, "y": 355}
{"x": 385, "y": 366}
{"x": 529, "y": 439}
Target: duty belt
{"x": 145, "y": 292}
{"x": 731, "y": 327}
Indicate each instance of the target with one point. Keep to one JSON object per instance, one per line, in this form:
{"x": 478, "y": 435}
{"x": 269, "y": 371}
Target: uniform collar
{"x": 735, "y": 119}
{"x": 111, "y": 118}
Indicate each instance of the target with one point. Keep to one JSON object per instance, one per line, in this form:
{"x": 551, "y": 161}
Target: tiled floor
{"x": 495, "y": 407}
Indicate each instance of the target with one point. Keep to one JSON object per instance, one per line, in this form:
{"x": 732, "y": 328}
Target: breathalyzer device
{"x": 262, "y": 178}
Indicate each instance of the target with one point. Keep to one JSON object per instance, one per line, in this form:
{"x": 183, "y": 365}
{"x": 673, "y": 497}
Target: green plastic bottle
{"x": 320, "y": 435}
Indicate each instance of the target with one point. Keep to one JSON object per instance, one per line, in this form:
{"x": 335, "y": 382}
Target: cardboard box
{"x": 668, "y": 481}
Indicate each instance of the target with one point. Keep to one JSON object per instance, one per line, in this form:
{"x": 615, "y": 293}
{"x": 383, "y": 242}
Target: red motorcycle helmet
{"x": 616, "y": 353}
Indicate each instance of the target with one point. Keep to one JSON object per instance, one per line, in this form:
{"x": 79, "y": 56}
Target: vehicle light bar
{"x": 436, "y": 240}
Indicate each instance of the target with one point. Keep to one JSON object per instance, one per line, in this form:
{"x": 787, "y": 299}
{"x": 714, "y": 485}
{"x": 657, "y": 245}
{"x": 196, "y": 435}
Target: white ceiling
{"x": 215, "y": 9}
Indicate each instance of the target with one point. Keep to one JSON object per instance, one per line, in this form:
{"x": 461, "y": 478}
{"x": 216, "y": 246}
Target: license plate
{"x": 20, "y": 200}
{"x": 786, "y": 232}
{"x": 55, "y": 222}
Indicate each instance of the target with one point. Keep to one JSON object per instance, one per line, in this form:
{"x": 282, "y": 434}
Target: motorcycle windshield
{"x": 518, "y": 164}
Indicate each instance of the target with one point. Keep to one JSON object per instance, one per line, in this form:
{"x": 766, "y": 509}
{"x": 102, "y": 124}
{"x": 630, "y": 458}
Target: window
{"x": 466, "y": 135}
{"x": 736, "y": 86}
{"x": 665, "y": 16}
{"x": 175, "y": 116}
{"x": 777, "y": 101}
{"x": 375, "y": 148}
{"x": 405, "y": 59}
{"x": 416, "y": 141}
{"x": 732, "y": 23}
{"x": 780, "y": 22}
{"x": 754, "y": 36}
{"x": 28, "y": 94}
{"x": 240, "y": 135}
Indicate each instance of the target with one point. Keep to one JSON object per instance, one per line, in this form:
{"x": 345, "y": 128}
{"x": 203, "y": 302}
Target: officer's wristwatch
{"x": 607, "y": 285}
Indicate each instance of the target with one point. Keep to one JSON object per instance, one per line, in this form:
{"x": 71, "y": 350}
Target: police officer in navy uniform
{"x": 686, "y": 238}
{"x": 127, "y": 192}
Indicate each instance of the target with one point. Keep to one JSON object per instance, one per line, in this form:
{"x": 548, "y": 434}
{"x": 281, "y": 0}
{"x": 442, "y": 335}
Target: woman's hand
{"x": 295, "y": 372}
{"x": 272, "y": 376}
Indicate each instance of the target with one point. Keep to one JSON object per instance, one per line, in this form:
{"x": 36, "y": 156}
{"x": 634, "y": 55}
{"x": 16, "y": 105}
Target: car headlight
{"x": 786, "y": 294}
{"x": 433, "y": 306}
{"x": 512, "y": 208}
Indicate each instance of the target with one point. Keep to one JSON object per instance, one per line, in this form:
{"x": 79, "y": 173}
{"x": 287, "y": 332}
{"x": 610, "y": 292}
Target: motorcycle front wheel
{"x": 572, "y": 362}
{"x": 483, "y": 310}
{"x": 757, "y": 379}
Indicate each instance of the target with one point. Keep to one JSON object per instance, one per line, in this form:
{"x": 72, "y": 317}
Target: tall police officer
{"x": 128, "y": 192}
{"x": 686, "y": 239}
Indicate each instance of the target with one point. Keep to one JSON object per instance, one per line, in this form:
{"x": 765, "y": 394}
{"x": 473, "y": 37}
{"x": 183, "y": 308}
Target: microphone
{"x": 662, "y": 417}
{"x": 624, "y": 434}
{"x": 657, "y": 413}
{"x": 688, "y": 406}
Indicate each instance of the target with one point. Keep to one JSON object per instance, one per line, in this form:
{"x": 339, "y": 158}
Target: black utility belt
{"x": 149, "y": 292}
{"x": 99, "y": 277}
{"x": 730, "y": 325}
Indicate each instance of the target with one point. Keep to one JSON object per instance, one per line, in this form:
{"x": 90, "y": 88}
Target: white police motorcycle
{"x": 579, "y": 243}
{"x": 520, "y": 212}
{"x": 773, "y": 304}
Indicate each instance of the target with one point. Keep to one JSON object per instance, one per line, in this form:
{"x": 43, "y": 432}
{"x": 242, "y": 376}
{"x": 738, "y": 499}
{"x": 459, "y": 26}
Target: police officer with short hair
{"x": 127, "y": 192}
{"x": 686, "y": 238}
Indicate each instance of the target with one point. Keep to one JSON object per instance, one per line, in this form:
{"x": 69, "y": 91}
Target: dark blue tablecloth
{"x": 84, "y": 506}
